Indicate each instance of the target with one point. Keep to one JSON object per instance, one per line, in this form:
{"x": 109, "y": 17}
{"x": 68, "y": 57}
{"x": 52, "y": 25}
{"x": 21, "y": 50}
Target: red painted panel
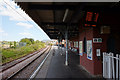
{"x": 96, "y": 17}
{"x": 89, "y": 16}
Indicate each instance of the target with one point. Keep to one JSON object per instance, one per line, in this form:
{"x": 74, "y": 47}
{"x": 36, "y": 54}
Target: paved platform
{"x": 55, "y": 66}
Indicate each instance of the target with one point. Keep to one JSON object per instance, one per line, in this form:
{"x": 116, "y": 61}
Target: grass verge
{"x": 12, "y": 54}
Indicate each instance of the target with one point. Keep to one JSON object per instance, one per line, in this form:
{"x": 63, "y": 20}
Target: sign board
{"x": 89, "y": 49}
{"x": 81, "y": 48}
{"x": 97, "y": 52}
{"x": 105, "y": 30}
{"x": 76, "y": 44}
{"x": 97, "y": 40}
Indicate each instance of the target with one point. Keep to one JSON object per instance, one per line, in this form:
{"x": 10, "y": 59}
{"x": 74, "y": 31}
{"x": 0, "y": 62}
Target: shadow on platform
{"x": 58, "y": 69}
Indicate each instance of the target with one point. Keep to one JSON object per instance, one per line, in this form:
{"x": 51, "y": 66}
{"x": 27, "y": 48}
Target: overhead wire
{"x": 22, "y": 17}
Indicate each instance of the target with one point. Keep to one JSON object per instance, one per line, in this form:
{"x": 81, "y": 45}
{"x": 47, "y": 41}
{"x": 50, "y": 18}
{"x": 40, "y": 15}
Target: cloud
{"x": 26, "y": 34}
{"x": 10, "y": 8}
{"x": 24, "y": 25}
{"x": 2, "y": 32}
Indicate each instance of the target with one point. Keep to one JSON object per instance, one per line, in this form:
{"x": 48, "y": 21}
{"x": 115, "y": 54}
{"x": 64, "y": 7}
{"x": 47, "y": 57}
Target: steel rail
{"x": 39, "y": 67}
{"x": 8, "y": 78}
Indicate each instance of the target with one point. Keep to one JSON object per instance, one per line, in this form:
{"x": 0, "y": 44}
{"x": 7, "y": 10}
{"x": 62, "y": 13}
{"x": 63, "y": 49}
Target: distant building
{"x": 22, "y": 44}
{"x": 54, "y": 41}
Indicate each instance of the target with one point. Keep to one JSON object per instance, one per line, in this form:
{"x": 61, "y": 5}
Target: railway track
{"x": 25, "y": 68}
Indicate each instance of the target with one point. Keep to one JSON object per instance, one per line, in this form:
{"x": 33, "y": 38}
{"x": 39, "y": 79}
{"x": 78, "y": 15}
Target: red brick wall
{"x": 88, "y": 64}
{"x": 95, "y": 66}
{"x": 102, "y": 46}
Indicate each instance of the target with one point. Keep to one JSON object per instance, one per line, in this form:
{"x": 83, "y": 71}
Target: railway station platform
{"x": 55, "y": 67}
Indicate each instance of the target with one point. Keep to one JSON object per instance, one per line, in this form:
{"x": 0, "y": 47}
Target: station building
{"x": 97, "y": 34}
{"x": 91, "y": 28}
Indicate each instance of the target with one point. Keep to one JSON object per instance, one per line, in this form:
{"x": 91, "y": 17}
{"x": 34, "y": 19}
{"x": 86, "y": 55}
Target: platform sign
{"x": 89, "y": 49}
{"x": 97, "y": 40}
{"x": 81, "y": 48}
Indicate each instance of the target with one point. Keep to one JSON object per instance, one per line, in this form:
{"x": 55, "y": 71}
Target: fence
{"x": 111, "y": 66}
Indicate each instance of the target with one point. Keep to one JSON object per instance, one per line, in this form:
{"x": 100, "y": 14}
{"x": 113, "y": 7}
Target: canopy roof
{"x": 55, "y": 17}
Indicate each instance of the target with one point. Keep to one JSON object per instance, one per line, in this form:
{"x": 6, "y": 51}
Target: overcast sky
{"x": 15, "y": 24}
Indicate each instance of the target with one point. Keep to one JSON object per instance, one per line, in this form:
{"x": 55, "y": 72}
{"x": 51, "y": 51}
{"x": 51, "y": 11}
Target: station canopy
{"x": 57, "y": 17}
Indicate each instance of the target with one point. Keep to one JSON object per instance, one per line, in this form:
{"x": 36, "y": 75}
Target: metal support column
{"x": 61, "y": 45}
{"x": 58, "y": 43}
{"x": 66, "y": 37}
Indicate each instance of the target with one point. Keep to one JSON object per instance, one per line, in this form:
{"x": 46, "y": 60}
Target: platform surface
{"x": 55, "y": 66}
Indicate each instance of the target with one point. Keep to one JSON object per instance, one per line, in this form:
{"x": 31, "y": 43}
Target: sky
{"x": 15, "y": 24}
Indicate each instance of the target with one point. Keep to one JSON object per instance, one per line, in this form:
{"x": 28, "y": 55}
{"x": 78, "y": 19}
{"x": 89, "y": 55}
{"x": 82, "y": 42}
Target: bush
{"x": 11, "y": 54}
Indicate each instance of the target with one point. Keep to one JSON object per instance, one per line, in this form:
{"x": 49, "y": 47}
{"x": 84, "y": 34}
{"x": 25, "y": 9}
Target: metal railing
{"x": 111, "y": 66}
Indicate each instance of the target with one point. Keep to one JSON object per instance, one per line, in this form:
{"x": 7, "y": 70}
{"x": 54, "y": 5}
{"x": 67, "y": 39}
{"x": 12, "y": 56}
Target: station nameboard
{"x": 97, "y": 40}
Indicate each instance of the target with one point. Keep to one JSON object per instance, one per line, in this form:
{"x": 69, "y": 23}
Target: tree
{"x": 14, "y": 44}
{"x": 3, "y": 44}
{"x": 37, "y": 41}
{"x": 32, "y": 40}
{"x": 10, "y": 44}
{"x": 28, "y": 41}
